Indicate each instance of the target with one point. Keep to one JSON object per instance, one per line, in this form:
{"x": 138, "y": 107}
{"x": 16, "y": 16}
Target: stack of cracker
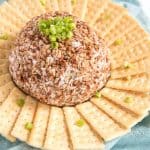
{"x": 124, "y": 101}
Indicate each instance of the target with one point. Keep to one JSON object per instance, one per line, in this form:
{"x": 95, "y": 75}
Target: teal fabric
{"x": 139, "y": 137}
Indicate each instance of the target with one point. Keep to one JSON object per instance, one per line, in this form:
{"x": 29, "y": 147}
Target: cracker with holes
{"x": 138, "y": 52}
{"x": 109, "y": 18}
{"x": 40, "y": 121}
{"x": 23, "y": 124}
{"x": 56, "y": 135}
{"x": 9, "y": 112}
{"x": 137, "y": 103}
{"x": 5, "y": 90}
{"x": 123, "y": 26}
{"x": 4, "y": 79}
{"x": 101, "y": 122}
{"x": 137, "y": 83}
{"x": 129, "y": 69}
{"x": 94, "y": 10}
{"x": 79, "y": 8}
{"x": 76, "y": 126}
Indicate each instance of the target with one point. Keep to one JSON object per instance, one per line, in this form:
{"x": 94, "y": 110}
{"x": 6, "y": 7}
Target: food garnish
{"x": 4, "y": 37}
{"x": 118, "y": 42}
{"x": 128, "y": 100}
{"x": 73, "y": 2}
{"x": 29, "y": 126}
{"x": 80, "y": 123}
{"x": 97, "y": 94}
{"x": 20, "y": 102}
{"x": 43, "y": 2}
{"x": 127, "y": 65}
{"x": 57, "y": 29}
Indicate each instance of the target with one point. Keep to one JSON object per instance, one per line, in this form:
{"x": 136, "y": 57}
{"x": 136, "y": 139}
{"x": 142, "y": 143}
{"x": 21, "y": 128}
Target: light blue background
{"x": 139, "y": 138}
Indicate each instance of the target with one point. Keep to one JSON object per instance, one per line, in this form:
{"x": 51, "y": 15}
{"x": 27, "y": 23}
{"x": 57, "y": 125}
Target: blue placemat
{"x": 139, "y": 138}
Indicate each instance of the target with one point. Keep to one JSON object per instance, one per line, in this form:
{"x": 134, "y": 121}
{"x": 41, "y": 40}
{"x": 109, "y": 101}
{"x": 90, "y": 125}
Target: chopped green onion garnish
{"x": 29, "y": 126}
{"x": 57, "y": 29}
{"x": 73, "y": 2}
{"x": 128, "y": 100}
{"x": 128, "y": 65}
{"x": 97, "y": 94}
{"x": 118, "y": 42}
{"x": 107, "y": 16}
{"x": 80, "y": 123}
{"x": 43, "y": 2}
{"x": 4, "y": 37}
{"x": 20, "y": 102}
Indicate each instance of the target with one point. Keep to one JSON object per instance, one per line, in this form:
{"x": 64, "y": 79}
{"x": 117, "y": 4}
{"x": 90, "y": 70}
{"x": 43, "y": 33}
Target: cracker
{"x": 4, "y": 54}
{"x": 94, "y": 9}
{"x": 138, "y": 83}
{"x": 54, "y": 5}
{"x": 81, "y": 137}
{"x": 65, "y": 5}
{"x": 80, "y": 8}
{"x": 138, "y": 67}
{"x": 16, "y": 14}
{"x": 136, "y": 53}
{"x": 3, "y": 61}
{"x": 37, "y": 135}
{"x": 4, "y": 68}
{"x": 39, "y": 8}
{"x": 108, "y": 19}
{"x": 107, "y": 128}
{"x": 4, "y": 79}
{"x": 118, "y": 114}
{"x": 123, "y": 26}
{"x": 140, "y": 103}
{"x": 6, "y": 44}
{"x": 9, "y": 113}
{"x": 8, "y": 28}
{"x": 5, "y": 90}
{"x": 10, "y": 15}
{"x": 26, "y": 116}
{"x": 56, "y": 135}
{"x": 23, "y": 7}
{"x": 130, "y": 39}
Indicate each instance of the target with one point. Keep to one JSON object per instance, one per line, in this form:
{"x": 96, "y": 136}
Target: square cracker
{"x": 138, "y": 83}
{"x": 140, "y": 51}
{"x": 105, "y": 126}
{"x": 80, "y": 8}
{"x": 9, "y": 113}
{"x": 26, "y": 116}
{"x": 120, "y": 115}
{"x": 37, "y": 134}
{"x": 123, "y": 26}
{"x": 4, "y": 54}
{"x": 4, "y": 79}
{"x": 130, "y": 39}
{"x": 141, "y": 66}
{"x": 8, "y": 13}
{"x": 56, "y": 135}
{"x": 54, "y": 5}
{"x": 140, "y": 103}
{"x": 109, "y": 18}
{"x": 4, "y": 69}
{"x": 5, "y": 90}
{"x": 3, "y": 61}
{"x": 94, "y": 9}
{"x": 81, "y": 137}
{"x": 65, "y": 5}
{"x": 6, "y": 44}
